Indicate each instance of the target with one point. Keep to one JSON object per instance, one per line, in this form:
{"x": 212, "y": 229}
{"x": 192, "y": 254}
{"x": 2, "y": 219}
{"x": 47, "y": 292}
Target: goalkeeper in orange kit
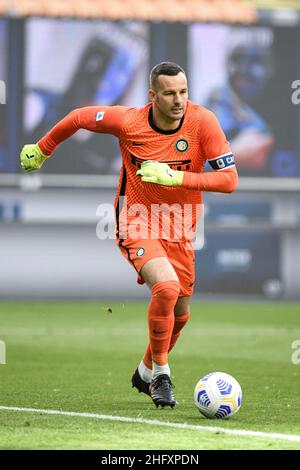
{"x": 164, "y": 146}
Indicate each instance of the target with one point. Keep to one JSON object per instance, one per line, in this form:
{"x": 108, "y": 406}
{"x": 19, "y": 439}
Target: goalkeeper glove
{"x": 32, "y": 158}
{"x": 160, "y": 173}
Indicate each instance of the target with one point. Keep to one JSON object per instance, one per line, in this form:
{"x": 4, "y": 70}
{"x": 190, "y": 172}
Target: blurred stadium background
{"x": 241, "y": 57}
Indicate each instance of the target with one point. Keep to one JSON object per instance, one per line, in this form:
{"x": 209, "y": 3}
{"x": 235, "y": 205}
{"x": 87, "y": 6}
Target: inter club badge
{"x": 182, "y": 145}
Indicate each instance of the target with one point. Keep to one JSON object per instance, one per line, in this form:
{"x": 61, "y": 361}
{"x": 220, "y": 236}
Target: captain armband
{"x": 222, "y": 162}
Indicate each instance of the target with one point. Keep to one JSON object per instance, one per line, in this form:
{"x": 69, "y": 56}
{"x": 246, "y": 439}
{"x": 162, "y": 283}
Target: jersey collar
{"x": 161, "y": 131}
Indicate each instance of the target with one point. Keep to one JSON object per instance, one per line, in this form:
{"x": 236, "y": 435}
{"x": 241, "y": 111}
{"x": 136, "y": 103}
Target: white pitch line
{"x": 155, "y": 422}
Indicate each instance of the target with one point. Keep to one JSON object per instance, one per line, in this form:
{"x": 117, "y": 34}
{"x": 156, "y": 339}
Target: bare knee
{"x": 182, "y": 306}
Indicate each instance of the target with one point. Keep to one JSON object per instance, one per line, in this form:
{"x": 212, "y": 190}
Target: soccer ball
{"x": 218, "y": 395}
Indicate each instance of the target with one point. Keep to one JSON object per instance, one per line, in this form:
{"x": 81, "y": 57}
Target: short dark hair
{"x": 164, "y": 68}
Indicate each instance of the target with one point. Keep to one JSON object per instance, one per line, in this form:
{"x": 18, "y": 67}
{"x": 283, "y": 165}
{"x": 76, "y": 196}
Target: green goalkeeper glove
{"x": 32, "y": 158}
{"x": 160, "y": 173}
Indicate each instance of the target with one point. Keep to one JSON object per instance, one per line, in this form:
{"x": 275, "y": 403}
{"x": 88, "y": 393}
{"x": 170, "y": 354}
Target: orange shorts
{"x": 181, "y": 256}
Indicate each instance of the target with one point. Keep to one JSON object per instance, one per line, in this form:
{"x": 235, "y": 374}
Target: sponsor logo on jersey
{"x": 181, "y": 165}
{"x": 140, "y": 252}
{"x": 182, "y": 145}
{"x": 100, "y": 115}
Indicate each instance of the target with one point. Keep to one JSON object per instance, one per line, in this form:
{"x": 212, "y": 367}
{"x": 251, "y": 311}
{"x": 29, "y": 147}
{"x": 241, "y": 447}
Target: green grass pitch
{"x": 79, "y": 357}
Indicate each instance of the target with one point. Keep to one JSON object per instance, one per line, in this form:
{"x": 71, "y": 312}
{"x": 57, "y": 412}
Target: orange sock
{"x": 147, "y": 359}
{"x": 161, "y": 319}
{"x": 180, "y": 321}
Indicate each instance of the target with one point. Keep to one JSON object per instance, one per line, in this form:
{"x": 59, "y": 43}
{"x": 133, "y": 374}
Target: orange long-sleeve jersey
{"x": 197, "y": 139}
